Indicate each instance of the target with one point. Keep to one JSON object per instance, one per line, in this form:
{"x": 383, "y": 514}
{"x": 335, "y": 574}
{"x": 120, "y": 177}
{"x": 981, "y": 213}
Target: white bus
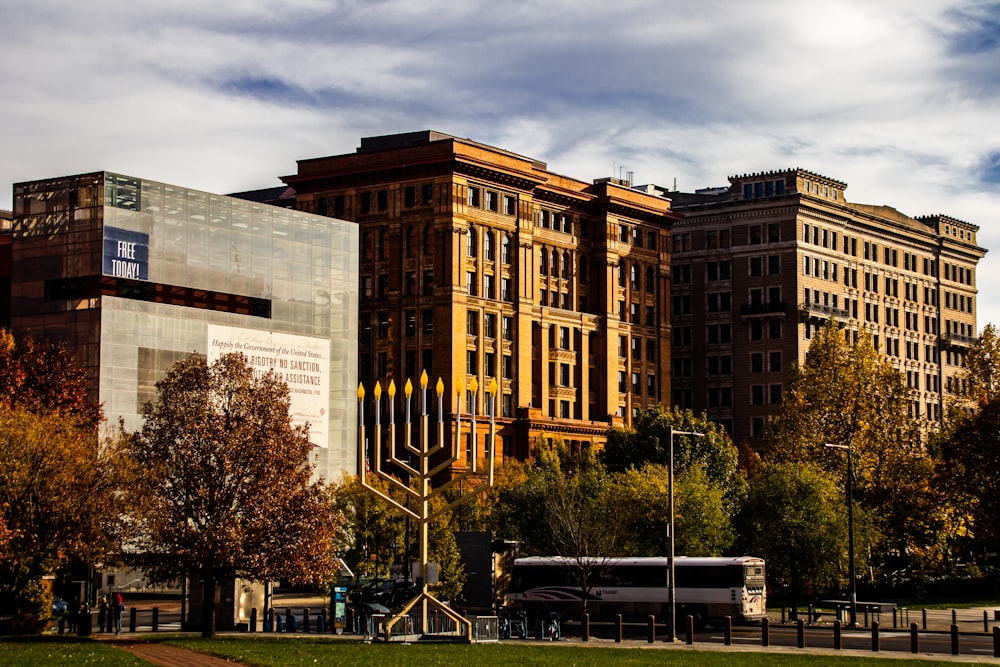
{"x": 709, "y": 589}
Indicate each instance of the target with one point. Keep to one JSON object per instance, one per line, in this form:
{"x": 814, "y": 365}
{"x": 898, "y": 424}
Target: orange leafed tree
{"x": 57, "y": 485}
{"x": 223, "y": 482}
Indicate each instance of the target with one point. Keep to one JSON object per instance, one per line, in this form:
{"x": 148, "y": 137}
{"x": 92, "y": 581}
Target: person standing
{"x": 117, "y": 607}
{"x": 102, "y": 613}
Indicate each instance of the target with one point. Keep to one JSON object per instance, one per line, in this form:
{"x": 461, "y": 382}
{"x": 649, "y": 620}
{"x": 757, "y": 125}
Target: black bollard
{"x": 156, "y": 619}
{"x": 305, "y": 620}
{"x": 269, "y": 620}
{"x": 727, "y": 630}
{"x": 652, "y": 629}
{"x": 810, "y": 618}
{"x": 875, "y": 643}
{"x": 986, "y": 621}
{"x": 585, "y": 627}
{"x": 131, "y": 619}
{"x": 689, "y": 623}
{"x": 618, "y": 628}
{"x": 838, "y": 638}
{"x": 914, "y": 639}
{"x": 954, "y": 639}
{"x": 253, "y": 620}
{"x": 923, "y": 625}
{"x": 894, "y": 618}
{"x": 279, "y": 623}
{"x": 326, "y": 620}
{"x": 321, "y": 623}
{"x": 289, "y": 620}
{"x": 996, "y": 641}
{"x": 800, "y": 633}
{"x": 765, "y": 632}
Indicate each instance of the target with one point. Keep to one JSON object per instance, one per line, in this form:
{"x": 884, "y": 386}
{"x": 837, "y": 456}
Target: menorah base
{"x": 435, "y": 621}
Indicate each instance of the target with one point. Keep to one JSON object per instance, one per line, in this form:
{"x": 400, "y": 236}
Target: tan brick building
{"x": 758, "y": 266}
{"x": 480, "y": 263}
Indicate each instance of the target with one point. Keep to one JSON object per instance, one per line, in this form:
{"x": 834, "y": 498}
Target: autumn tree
{"x": 57, "y": 484}
{"x": 846, "y": 394}
{"x": 970, "y": 475}
{"x": 224, "y": 485}
{"x": 982, "y": 367}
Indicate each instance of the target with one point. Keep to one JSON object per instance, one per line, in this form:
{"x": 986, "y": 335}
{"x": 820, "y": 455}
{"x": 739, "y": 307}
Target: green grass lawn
{"x": 51, "y": 650}
{"x": 266, "y": 651}
{"x": 292, "y": 652}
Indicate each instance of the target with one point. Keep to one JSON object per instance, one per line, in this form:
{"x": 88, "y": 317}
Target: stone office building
{"x": 760, "y": 265}
{"x": 478, "y": 263}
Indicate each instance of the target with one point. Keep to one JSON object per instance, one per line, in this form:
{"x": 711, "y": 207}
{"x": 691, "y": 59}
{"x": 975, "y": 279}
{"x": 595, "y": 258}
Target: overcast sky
{"x": 898, "y": 98}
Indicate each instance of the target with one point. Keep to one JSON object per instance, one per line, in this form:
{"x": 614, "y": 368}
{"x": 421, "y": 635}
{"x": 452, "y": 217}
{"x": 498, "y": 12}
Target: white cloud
{"x": 897, "y": 98}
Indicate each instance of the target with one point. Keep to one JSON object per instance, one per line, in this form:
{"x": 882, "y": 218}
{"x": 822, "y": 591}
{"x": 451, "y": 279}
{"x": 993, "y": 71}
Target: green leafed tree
{"x": 223, "y": 486}
{"x": 702, "y": 519}
{"x": 795, "y": 518}
{"x": 58, "y": 502}
{"x": 560, "y": 504}
{"x": 647, "y": 442}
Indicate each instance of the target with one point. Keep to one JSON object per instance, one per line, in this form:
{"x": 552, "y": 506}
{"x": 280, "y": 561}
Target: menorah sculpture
{"x": 423, "y": 472}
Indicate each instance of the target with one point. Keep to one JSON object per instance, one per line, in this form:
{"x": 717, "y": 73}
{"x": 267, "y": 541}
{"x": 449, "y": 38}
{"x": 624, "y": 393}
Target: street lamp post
{"x": 671, "y": 623}
{"x": 850, "y": 534}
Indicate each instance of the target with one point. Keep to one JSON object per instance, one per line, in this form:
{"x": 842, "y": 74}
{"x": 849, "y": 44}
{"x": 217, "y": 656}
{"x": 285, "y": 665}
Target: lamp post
{"x": 672, "y": 624}
{"x": 850, "y": 533}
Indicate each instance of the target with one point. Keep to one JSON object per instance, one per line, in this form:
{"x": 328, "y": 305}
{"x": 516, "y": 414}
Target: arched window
{"x": 366, "y": 246}
{"x": 489, "y": 249}
{"x": 505, "y": 249}
{"x": 470, "y": 242}
{"x": 650, "y": 279}
{"x": 383, "y": 245}
{"x": 635, "y": 277}
{"x": 555, "y": 263}
{"x": 565, "y": 265}
{"x": 543, "y": 261}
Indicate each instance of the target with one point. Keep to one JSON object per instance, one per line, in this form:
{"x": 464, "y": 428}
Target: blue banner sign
{"x": 126, "y": 254}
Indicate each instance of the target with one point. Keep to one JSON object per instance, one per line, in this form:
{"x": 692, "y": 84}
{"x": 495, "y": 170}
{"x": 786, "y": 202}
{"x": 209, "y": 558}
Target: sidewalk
{"x": 170, "y": 656}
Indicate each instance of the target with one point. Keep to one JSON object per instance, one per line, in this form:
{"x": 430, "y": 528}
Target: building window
{"x": 411, "y": 322}
{"x": 366, "y": 202}
{"x": 757, "y": 394}
{"x": 488, "y": 286}
{"x": 508, "y": 367}
{"x": 383, "y": 200}
{"x": 774, "y": 362}
{"x": 473, "y": 196}
{"x": 383, "y": 325}
{"x": 490, "y": 365}
{"x": 509, "y": 204}
{"x": 756, "y": 362}
{"x": 471, "y": 362}
{"x": 775, "y": 390}
{"x": 505, "y": 291}
{"x": 470, "y": 283}
{"x": 428, "y": 326}
{"x": 489, "y": 247}
{"x": 472, "y": 323}
{"x": 505, "y": 249}
{"x": 471, "y": 243}
{"x": 490, "y": 325}
{"x": 564, "y": 375}
{"x": 492, "y": 201}
{"x": 507, "y": 325}
{"x": 563, "y": 338}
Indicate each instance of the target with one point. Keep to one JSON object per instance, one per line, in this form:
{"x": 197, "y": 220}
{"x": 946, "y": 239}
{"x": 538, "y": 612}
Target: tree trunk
{"x": 209, "y": 602}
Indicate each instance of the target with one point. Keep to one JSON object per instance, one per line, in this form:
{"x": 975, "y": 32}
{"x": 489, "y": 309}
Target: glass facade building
{"x": 134, "y": 275}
